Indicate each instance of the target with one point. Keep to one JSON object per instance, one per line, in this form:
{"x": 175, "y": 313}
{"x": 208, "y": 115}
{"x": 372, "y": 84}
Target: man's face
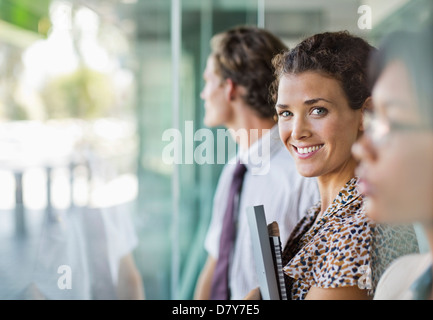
{"x": 216, "y": 100}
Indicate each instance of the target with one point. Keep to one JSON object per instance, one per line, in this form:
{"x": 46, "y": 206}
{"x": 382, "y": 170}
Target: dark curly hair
{"x": 339, "y": 55}
{"x": 244, "y": 55}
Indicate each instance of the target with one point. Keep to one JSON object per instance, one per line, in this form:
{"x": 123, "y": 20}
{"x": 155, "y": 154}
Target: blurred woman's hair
{"x": 415, "y": 51}
{"x": 244, "y": 55}
{"x": 338, "y": 55}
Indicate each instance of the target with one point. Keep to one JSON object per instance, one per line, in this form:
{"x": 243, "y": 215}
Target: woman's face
{"x": 316, "y": 123}
{"x": 396, "y": 153}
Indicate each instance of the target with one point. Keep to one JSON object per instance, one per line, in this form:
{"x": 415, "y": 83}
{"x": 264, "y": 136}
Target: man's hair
{"x": 244, "y": 55}
{"x": 338, "y": 55}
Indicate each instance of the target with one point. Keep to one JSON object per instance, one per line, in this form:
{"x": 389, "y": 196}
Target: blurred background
{"x": 87, "y": 89}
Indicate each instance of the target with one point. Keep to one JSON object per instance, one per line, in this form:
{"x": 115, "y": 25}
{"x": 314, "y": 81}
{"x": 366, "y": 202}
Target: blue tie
{"x": 220, "y": 284}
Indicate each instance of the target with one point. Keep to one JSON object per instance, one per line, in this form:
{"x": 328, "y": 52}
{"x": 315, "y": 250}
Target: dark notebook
{"x": 267, "y": 254}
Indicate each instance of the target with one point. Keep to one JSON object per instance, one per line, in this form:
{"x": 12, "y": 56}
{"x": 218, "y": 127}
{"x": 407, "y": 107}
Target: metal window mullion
{"x": 176, "y": 32}
{"x": 261, "y": 13}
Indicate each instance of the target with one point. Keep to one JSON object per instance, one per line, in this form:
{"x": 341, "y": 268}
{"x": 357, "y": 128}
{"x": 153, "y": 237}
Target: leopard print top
{"x": 342, "y": 248}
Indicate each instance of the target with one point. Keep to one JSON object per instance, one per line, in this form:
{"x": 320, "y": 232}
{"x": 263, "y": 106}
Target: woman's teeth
{"x": 309, "y": 149}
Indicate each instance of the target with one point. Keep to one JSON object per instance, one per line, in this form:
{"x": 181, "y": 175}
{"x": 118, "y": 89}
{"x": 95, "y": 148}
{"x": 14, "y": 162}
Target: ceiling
{"x": 289, "y": 19}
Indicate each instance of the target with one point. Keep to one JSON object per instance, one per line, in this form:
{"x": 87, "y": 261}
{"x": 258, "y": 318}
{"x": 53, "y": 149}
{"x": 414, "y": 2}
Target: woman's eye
{"x": 285, "y": 114}
{"x": 319, "y": 111}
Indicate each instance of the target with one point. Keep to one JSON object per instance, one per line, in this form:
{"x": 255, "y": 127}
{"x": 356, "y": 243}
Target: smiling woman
{"x": 320, "y": 92}
{"x": 313, "y": 112}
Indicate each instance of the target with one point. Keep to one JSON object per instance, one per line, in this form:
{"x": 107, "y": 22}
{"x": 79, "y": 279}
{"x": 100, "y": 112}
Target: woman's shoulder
{"x": 396, "y": 281}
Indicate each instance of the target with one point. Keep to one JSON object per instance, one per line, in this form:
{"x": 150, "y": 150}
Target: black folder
{"x": 267, "y": 256}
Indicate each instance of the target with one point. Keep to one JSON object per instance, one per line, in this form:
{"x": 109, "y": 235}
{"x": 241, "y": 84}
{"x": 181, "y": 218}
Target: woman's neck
{"x": 331, "y": 184}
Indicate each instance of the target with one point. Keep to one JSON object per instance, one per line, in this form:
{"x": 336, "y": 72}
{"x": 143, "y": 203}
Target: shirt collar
{"x": 346, "y": 195}
{"x": 257, "y": 157}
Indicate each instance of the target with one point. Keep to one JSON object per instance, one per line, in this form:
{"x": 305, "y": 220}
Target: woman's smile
{"x": 305, "y": 151}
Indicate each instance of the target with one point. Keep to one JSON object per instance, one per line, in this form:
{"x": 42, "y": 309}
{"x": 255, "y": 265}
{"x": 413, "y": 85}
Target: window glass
{"x": 102, "y": 134}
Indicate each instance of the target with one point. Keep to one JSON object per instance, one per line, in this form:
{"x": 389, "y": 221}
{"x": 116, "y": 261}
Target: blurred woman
{"x": 396, "y": 154}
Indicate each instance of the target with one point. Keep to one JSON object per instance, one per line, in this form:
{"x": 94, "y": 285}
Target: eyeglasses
{"x": 376, "y": 128}
{"x": 379, "y": 129}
